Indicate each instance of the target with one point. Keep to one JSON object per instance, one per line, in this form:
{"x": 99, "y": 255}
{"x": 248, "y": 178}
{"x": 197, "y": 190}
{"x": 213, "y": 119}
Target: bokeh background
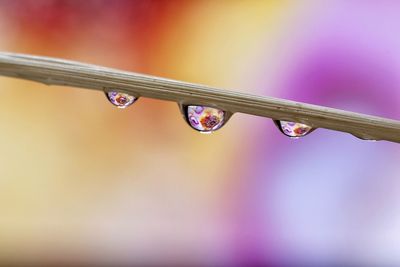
{"x": 84, "y": 182}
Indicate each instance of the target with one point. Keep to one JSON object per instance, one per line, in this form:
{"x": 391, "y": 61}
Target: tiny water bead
{"x": 119, "y": 99}
{"x": 205, "y": 119}
{"x": 293, "y": 129}
{"x": 365, "y": 137}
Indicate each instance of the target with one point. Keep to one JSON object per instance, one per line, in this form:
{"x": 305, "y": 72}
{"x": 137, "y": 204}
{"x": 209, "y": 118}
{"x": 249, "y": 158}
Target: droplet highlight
{"x": 119, "y": 99}
{"x": 204, "y": 119}
{"x": 293, "y": 129}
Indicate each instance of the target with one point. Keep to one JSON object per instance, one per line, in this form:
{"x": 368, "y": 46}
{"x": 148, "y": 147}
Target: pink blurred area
{"x": 84, "y": 182}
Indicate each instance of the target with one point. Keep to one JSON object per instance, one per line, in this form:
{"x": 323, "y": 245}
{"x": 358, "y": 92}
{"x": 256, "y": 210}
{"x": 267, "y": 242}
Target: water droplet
{"x": 293, "y": 129}
{"x": 204, "y": 119}
{"x": 119, "y": 99}
{"x": 365, "y": 137}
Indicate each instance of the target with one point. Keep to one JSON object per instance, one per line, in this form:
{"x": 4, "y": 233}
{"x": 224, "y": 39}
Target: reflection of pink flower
{"x": 193, "y": 120}
{"x": 287, "y": 130}
{"x": 121, "y": 100}
{"x": 205, "y": 119}
{"x": 199, "y": 109}
{"x": 300, "y": 130}
{"x": 209, "y": 121}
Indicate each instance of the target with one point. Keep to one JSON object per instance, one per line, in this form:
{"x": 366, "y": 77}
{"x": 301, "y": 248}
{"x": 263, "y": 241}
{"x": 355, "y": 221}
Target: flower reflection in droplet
{"x": 119, "y": 99}
{"x": 204, "y": 119}
{"x": 293, "y": 129}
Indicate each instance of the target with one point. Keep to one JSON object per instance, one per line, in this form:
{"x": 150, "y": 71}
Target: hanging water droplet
{"x": 293, "y": 129}
{"x": 365, "y": 137}
{"x": 119, "y": 99}
{"x": 204, "y": 119}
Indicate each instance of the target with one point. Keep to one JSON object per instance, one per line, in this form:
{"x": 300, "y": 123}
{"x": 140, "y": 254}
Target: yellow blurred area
{"x": 216, "y": 39}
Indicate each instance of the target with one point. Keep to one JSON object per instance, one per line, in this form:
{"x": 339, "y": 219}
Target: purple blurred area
{"x": 84, "y": 183}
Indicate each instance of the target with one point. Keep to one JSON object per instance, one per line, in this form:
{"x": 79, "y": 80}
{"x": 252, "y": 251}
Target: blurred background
{"x": 84, "y": 182}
